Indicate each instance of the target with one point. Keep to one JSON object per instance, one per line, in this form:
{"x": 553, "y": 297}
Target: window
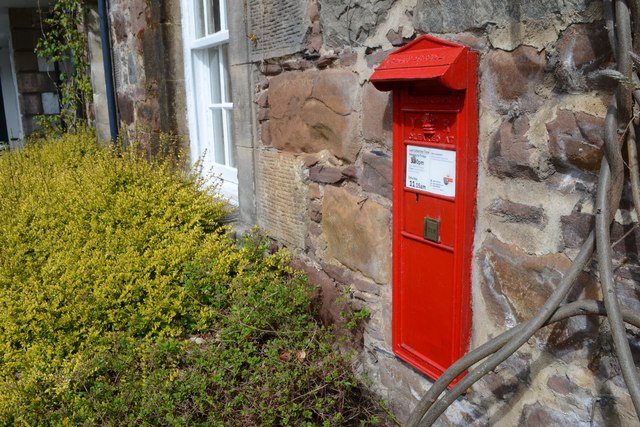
{"x": 208, "y": 84}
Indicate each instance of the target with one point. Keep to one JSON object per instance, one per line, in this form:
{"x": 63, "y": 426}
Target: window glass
{"x": 214, "y": 75}
{"x": 199, "y": 18}
{"x": 213, "y": 16}
{"x": 227, "y": 77}
{"x": 218, "y": 136}
{"x": 229, "y": 131}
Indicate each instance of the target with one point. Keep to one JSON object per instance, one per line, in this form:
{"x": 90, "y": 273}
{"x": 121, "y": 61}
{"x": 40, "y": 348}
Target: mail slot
{"x": 434, "y": 196}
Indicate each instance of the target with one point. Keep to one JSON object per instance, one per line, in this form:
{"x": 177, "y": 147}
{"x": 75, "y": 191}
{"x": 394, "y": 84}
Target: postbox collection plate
{"x": 432, "y": 229}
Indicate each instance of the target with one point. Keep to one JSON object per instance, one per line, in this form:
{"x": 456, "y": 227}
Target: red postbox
{"x": 434, "y": 196}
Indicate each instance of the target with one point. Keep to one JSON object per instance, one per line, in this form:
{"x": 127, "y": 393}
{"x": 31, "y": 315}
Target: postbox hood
{"x": 425, "y": 58}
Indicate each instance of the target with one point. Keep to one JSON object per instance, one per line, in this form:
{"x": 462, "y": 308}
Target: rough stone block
{"x": 348, "y": 58}
{"x": 263, "y": 100}
{"x": 576, "y": 228}
{"x": 357, "y": 232}
{"x": 348, "y": 278}
{"x": 315, "y": 211}
{"x": 511, "y": 154}
{"x": 265, "y": 134}
{"x": 539, "y": 414}
{"x": 510, "y": 78}
{"x": 376, "y": 57}
{"x": 263, "y": 114}
{"x": 575, "y": 141}
{"x": 377, "y": 116}
{"x": 296, "y": 64}
{"x": 582, "y": 48}
{"x": 377, "y": 173}
{"x": 349, "y": 24}
{"x": 325, "y": 174}
{"x": 441, "y": 17}
{"x": 518, "y": 213}
{"x": 119, "y": 26}
{"x": 515, "y": 284}
{"x": 270, "y": 69}
{"x": 328, "y": 291}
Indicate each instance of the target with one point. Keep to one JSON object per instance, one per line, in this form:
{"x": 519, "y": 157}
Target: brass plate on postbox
{"x": 432, "y": 229}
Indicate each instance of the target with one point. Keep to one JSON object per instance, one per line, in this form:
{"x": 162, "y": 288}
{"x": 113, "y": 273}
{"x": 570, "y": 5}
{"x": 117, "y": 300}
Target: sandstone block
{"x": 282, "y": 197}
{"x": 575, "y": 141}
{"x": 357, "y": 232}
{"x": 337, "y": 89}
{"x": 311, "y": 111}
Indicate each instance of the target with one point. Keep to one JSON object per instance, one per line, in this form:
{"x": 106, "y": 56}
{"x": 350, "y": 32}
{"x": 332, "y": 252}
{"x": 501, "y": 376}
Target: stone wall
{"x": 541, "y": 109}
{"x": 37, "y": 79}
{"x": 146, "y": 42}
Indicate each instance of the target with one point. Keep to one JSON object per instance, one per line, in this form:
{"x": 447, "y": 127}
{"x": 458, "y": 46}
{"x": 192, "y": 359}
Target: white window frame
{"x": 200, "y": 105}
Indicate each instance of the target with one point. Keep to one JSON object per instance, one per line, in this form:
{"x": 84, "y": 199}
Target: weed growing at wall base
{"x": 124, "y": 302}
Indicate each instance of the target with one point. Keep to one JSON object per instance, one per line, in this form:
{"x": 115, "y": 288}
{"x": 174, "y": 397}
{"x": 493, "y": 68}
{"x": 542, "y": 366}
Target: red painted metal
{"x": 435, "y": 119}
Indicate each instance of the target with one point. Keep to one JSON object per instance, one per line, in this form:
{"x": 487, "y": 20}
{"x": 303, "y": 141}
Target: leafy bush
{"x": 123, "y": 301}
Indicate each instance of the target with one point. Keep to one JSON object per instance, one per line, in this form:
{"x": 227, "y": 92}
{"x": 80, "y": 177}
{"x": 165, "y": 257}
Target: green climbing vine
{"x": 64, "y": 41}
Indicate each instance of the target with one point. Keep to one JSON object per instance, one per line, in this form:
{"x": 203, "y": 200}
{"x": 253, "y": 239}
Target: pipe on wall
{"x": 108, "y": 69}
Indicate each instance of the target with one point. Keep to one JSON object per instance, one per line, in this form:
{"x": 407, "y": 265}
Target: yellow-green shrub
{"x": 109, "y": 263}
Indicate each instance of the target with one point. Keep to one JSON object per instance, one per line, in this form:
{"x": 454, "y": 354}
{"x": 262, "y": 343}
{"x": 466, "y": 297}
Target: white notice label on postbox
{"x": 432, "y": 170}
